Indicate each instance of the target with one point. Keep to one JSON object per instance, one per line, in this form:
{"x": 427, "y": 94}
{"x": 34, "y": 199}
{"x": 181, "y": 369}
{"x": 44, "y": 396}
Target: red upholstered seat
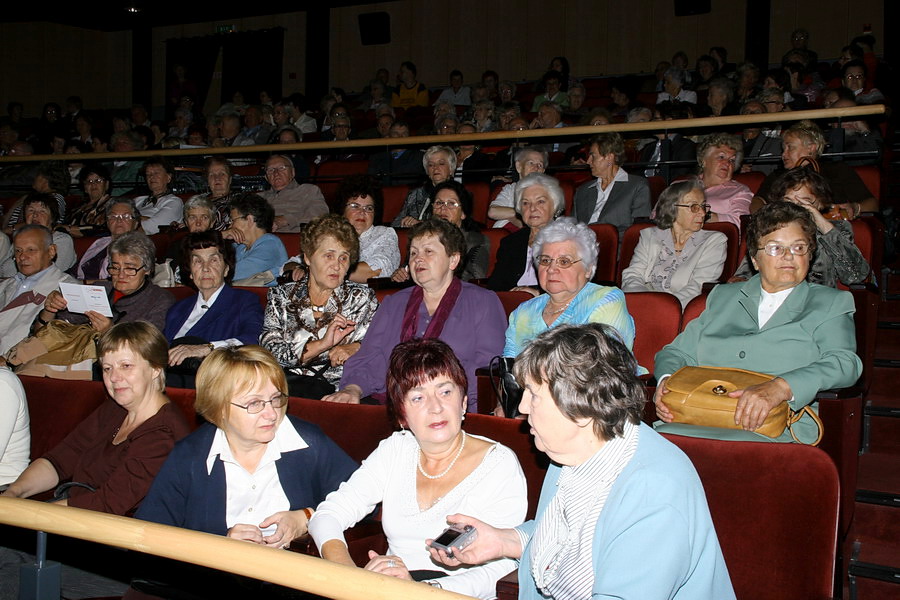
{"x": 629, "y": 242}
{"x": 608, "y": 242}
{"x": 394, "y": 197}
{"x": 752, "y": 179}
{"x": 657, "y": 317}
{"x": 732, "y": 253}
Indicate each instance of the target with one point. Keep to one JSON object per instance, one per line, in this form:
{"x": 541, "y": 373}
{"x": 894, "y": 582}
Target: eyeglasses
{"x": 120, "y": 217}
{"x": 695, "y": 208}
{"x": 277, "y": 169}
{"x": 363, "y": 207}
{"x": 256, "y": 406}
{"x": 855, "y": 77}
{"x": 446, "y": 204}
{"x": 130, "y": 271}
{"x": 776, "y": 249}
{"x": 563, "y": 262}
{"x": 94, "y": 181}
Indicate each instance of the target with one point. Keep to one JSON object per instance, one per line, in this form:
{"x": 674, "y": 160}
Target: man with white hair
{"x": 531, "y": 159}
{"x": 22, "y": 296}
{"x": 295, "y": 204}
{"x": 673, "y": 84}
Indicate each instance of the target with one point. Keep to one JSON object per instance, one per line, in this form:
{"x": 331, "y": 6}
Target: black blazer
{"x": 510, "y": 261}
{"x": 678, "y": 148}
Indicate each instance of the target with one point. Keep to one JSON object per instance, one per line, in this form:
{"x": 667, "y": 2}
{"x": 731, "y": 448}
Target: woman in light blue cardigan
{"x": 622, "y": 513}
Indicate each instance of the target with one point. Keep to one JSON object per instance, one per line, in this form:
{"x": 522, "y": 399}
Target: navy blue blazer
{"x": 235, "y": 314}
{"x": 185, "y": 495}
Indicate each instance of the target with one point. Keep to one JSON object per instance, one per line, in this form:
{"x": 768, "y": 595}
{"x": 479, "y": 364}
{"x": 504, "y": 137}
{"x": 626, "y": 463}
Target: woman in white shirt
{"x": 15, "y": 435}
{"x": 429, "y": 469}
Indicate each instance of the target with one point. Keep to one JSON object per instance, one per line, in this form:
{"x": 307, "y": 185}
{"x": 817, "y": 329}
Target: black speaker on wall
{"x": 686, "y": 8}
{"x": 374, "y": 28}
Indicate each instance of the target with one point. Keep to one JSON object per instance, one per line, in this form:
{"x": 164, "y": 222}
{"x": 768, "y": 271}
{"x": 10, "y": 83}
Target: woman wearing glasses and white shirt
{"x": 361, "y": 203}
{"x": 677, "y": 256}
{"x": 565, "y": 256}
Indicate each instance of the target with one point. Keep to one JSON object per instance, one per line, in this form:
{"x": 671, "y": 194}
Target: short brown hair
{"x": 610, "y": 142}
{"x": 774, "y": 216}
{"x": 337, "y": 227}
{"x": 142, "y": 337}
{"x": 228, "y": 372}
{"x": 416, "y": 361}
{"x": 449, "y": 235}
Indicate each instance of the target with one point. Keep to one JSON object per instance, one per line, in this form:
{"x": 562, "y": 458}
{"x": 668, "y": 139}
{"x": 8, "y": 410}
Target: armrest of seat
{"x": 841, "y": 413}
{"x": 362, "y": 537}
{"x": 508, "y": 586}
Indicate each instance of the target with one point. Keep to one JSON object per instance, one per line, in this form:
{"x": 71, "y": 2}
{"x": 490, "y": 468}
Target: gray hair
{"x": 198, "y": 202}
{"x": 567, "y": 229}
{"x": 446, "y": 117}
{"x": 451, "y": 156}
{"x": 708, "y": 142}
{"x": 542, "y": 150}
{"x": 485, "y": 104}
{"x": 724, "y": 85}
{"x": 137, "y": 244}
{"x": 135, "y": 213}
{"x": 634, "y": 113}
{"x": 770, "y": 95}
{"x": 578, "y": 86}
{"x": 677, "y": 74}
{"x": 506, "y": 84}
{"x": 548, "y": 183}
{"x": 666, "y": 206}
{"x": 591, "y": 374}
{"x": 45, "y": 232}
{"x": 383, "y": 108}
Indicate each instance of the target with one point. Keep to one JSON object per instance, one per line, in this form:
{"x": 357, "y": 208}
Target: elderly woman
{"x": 719, "y": 156}
{"x": 452, "y": 202}
{"x": 774, "y": 323}
{"x": 205, "y": 483}
{"x": 677, "y": 256}
{"x": 118, "y": 449}
{"x": 530, "y": 159}
{"x": 218, "y": 174}
{"x": 622, "y": 513}
{"x": 539, "y": 199}
{"x": 132, "y": 294}
{"x": 440, "y": 164}
{"x": 219, "y": 315}
{"x": 423, "y": 473}
{"x": 721, "y": 98}
{"x": 41, "y": 209}
{"x": 314, "y": 325}
{"x": 89, "y": 218}
{"x": 467, "y": 317}
{"x": 483, "y": 116}
{"x": 161, "y": 207}
{"x": 674, "y": 80}
{"x": 565, "y": 255}
{"x": 837, "y": 258}
{"x": 615, "y": 196}
{"x": 804, "y": 143}
{"x": 260, "y": 254}
{"x": 121, "y": 218}
{"x": 361, "y": 203}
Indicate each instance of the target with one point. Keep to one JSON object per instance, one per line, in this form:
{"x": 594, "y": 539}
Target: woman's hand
{"x": 290, "y": 524}
{"x": 662, "y": 411}
{"x": 55, "y": 302}
{"x": 489, "y": 544}
{"x": 179, "y": 353}
{"x": 387, "y": 565}
{"x": 74, "y": 231}
{"x": 524, "y": 288}
{"x": 349, "y": 395}
{"x": 98, "y": 321}
{"x": 401, "y": 274}
{"x": 235, "y": 235}
{"x": 339, "y": 354}
{"x": 756, "y": 401}
{"x": 339, "y": 329}
{"x": 408, "y": 221}
{"x": 245, "y": 532}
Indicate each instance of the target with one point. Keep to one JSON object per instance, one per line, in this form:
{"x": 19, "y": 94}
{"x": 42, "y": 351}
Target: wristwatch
{"x": 434, "y": 583}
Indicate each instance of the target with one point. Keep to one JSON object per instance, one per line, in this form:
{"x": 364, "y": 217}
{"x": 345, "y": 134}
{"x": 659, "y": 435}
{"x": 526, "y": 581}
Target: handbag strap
{"x": 796, "y": 415}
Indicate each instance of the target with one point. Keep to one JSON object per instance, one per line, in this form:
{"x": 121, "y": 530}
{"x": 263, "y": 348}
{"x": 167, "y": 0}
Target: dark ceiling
{"x": 116, "y": 16}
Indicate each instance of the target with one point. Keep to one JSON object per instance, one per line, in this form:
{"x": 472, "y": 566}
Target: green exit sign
{"x": 225, "y": 29}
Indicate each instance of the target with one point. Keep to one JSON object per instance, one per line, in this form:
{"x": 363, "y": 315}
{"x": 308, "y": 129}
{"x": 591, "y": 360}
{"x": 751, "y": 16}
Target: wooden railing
{"x": 289, "y": 569}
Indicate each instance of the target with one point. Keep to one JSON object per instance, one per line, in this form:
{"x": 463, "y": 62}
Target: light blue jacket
{"x": 654, "y": 538}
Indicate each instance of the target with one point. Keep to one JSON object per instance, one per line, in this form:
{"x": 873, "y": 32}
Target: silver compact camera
{"x": 456, "y": 536}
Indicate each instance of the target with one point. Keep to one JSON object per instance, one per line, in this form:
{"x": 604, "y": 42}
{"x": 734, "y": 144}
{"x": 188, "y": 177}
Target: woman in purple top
{"x": 468, "y": 318}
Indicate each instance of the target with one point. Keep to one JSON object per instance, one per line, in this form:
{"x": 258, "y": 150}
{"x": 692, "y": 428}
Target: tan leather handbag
{"x": 699, "y": 396}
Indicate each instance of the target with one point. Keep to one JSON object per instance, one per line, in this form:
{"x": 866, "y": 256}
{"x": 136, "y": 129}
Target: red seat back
{"x": 494, "y": 236}
{"x": 693, "y": 309}
{"x": 657, "y": 318}
{"x": 870, "y": 176}
{"x": 732, "y": 253}
{"x": 626, "y": 251}
{"x": 608, "y": 242}
{"x": 752, "y": 179}
{"x": 481, "y": 199}
{"x": 511, "y": 300}
{"x": 394, "y": 197}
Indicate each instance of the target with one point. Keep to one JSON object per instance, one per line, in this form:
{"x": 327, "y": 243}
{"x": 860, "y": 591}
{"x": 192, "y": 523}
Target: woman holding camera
{"x": 429, "y": 469}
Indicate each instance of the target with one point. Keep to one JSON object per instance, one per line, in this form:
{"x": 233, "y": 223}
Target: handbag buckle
{"x": 719, "y": 390}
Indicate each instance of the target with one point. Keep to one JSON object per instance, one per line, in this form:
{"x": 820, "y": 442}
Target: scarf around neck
{"x": 411, "y": 314}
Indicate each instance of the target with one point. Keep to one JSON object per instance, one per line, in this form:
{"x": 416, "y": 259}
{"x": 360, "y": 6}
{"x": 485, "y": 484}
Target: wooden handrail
{"x": 288, "y": 569}
{"x": 430, "y": 140}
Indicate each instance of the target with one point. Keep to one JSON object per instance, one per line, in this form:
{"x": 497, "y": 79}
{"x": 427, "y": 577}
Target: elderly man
{"x": 229, "y": 132}
{"x": 295, "y": 204}
{"x": 255, "y": 131}
{"x": 398, "y": 165}
{"x": 550, "y": 117}
{"x": 531, "y": 159}
{"x": 22, "y": 296}
{"x": 674, "y": 80}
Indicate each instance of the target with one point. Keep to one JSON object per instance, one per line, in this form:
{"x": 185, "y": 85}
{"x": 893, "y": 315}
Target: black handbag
{"x": 313, "y": 386}
{"x": 507, "y": 389}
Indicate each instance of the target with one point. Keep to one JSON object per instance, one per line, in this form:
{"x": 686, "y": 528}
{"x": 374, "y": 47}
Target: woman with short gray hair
{"x": 539, "y": 200}
{"x": 677, "y": 256}
{"x": 440, "y": 164}
{"x": 565, "y": 256}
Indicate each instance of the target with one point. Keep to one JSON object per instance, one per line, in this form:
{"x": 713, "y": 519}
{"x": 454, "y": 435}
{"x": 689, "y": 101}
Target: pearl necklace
{"x": 447, "y": 470}
{"x": 557, "y": 311}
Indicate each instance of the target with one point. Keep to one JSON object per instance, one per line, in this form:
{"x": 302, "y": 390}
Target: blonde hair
{"x": 141, "y": 337}
{"x": 228, "y": 372}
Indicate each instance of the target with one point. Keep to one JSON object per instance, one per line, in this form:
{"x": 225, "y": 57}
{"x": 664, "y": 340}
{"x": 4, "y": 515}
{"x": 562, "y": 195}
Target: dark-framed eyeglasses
{"x": 776, "y": 249}
{"x": 563, "y": 262}
{"x": 695, "y": 208}
{"x": 130, "y": 271}
{"x": 256, "y": 406}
